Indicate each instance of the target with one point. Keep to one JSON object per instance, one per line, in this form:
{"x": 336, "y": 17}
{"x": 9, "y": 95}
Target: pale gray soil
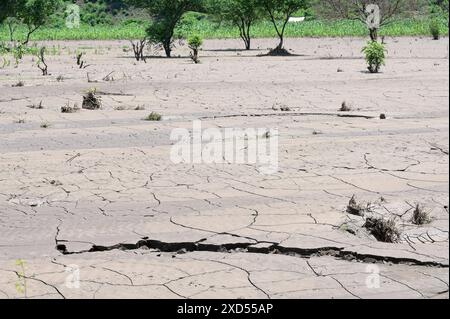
{"x": 97, "y": 190}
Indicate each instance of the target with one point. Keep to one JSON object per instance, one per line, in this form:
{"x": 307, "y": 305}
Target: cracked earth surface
{"x": 96, "y": 189}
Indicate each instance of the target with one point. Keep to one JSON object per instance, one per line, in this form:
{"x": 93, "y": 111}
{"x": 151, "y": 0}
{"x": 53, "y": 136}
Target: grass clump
{"x": 420, "y": 216}
{"x": 375, "y": 56}
{"x": 383, "y": 230}
{"x": 153, "y": 117}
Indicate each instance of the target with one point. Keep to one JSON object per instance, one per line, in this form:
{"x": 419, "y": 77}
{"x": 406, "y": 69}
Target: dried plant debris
{"x": 91, "y": 101}
{"x": 357, "y": 208}
{"x": 18, "y": 84}
{"x": 384, "y": 230}
{"x": 345, "y": 107}
{"x": 420, "y": 216}
{"x": 36, "y": 106}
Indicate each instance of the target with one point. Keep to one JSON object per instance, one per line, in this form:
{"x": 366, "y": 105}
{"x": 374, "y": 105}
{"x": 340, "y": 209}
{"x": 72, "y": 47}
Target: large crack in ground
{"x": 260, "y": 247}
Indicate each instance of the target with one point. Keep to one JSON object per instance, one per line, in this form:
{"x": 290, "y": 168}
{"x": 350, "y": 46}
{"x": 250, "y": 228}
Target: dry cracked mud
{"x": 93, "y": 195}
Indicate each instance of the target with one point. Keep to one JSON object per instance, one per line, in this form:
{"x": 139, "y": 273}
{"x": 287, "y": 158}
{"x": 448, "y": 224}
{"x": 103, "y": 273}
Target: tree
{"x": 240, "y": 13}
{"x": 165, "y": 14}
{"x": 31, "y": 13}
{"x": 374, "y": 13}
{"x": 279, "y": 12}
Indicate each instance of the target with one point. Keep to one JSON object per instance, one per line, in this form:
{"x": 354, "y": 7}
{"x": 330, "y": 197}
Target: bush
{"x": 195, "y": 42}
{"x": 154, "y": 117}
{"x": 375, "y": 56}
{"x": 434, "y": 29}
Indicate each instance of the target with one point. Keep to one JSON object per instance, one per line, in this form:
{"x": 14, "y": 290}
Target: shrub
{"x": 434, "y": 29}
{"x": 153, "y": 117}
{"x": 195, "y": 42}
{"x": 375, "y": 56}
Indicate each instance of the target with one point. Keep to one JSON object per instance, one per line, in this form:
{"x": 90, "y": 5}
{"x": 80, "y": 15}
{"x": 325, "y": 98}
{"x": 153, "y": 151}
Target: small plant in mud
{"x": 70, "y": 109}
{"x": 45, "y": 125}
{"x": 420, "y": 216}
{"x": 21, "y": 284}
{"x": 375, "y": 56}
{"x": 153, "y": 117}
{"x": 357, "y": 208}
{"x": 345, "y": 107}
{"x": 91, "y": 101}
{"x": 195, "y": 42}
{"x": 60, "y": 78}
{"x": 383, "y": 230}
{"x": 434, "y": 29}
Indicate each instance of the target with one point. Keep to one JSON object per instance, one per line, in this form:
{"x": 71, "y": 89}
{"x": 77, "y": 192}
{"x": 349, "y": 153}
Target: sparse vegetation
{"x": 165, "y": 17}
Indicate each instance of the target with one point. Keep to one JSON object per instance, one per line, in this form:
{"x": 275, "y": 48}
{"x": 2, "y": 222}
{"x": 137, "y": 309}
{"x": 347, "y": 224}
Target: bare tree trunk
{"x": 281, "y": 44}
{"x": 373, "y": 34}
{"x": 167, "y": 48}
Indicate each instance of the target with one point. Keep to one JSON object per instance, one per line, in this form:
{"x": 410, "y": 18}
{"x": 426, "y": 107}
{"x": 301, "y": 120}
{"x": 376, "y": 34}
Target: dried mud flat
{"x": 96, "y": 191}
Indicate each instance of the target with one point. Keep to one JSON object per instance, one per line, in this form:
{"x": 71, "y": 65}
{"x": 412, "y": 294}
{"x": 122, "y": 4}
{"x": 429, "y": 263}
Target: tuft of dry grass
{"x": 383, "y": 230}
{"x": 420, "y": 216}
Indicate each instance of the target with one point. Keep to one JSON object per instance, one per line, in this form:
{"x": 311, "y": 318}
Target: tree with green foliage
{"x": 240, "y": 13}
{"x": 165, "y": 16}
{"x": 31, "y": 13}
{"x": 279, "y": 12}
